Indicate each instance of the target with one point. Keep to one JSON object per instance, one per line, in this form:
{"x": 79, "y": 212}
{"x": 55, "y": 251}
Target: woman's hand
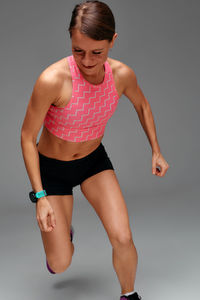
{"x": 158, "y": 160}
{"x": 44, "y": 211}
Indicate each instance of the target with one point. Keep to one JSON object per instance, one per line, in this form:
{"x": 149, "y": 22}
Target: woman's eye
{"x": 79, "y": 51}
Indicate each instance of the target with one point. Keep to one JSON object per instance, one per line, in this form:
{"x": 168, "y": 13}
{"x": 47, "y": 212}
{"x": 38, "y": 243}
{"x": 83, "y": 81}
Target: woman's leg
{"x": 103, "y": 192}
{"x": 57, "y": 244}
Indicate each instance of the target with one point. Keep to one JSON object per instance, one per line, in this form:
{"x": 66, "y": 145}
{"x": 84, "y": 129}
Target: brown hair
{"x": 93, "y": 18}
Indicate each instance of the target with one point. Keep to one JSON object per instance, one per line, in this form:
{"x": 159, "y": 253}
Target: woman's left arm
{"x": 133, "y": 92}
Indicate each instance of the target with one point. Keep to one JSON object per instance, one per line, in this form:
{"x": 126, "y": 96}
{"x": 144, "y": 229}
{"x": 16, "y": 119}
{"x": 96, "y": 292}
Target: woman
{"x": 74, "y": 98}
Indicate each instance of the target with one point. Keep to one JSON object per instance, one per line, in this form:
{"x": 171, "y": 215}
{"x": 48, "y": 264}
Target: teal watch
{"x": 35, "y": 196}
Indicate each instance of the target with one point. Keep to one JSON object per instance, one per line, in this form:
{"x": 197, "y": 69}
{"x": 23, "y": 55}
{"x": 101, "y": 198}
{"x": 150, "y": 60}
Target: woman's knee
{"x": 121, "y": 238}
{"x": 59, "y": 264}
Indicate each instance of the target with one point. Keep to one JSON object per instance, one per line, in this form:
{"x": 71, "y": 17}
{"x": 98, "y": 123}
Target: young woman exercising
{"x": 74, "y": 98}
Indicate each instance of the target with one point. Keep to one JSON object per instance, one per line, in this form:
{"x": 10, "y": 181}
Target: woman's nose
{"x": 86, "y": 60}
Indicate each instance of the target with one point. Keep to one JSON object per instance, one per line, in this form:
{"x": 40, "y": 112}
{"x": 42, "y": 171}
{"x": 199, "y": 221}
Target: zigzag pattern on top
{"x": 89, "y": 109}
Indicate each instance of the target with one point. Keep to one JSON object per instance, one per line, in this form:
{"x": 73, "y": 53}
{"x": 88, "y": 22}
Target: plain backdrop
{"x": 159, "y": 40}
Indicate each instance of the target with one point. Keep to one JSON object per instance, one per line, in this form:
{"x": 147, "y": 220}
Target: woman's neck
{"x": 95, "y": 78}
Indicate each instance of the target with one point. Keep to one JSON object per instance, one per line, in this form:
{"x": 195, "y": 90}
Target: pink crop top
{"x": 89, "y": 109}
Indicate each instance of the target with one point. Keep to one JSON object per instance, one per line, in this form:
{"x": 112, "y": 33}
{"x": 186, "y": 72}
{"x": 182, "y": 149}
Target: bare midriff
{"x": 54, "y": 147}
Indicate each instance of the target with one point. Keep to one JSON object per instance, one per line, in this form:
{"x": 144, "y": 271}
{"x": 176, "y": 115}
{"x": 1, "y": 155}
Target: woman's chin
{"x": 91, "y": 68}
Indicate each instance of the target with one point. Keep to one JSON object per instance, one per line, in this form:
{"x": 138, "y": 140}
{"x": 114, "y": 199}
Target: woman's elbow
{"x": 27, "y": 138}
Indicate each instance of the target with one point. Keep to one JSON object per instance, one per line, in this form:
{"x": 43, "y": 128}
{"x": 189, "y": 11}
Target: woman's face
{"x": 89, "y": 54}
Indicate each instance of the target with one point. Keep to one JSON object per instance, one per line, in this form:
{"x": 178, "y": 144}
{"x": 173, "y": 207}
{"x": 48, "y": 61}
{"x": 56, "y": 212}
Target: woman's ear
{"x": 113, "y": 40}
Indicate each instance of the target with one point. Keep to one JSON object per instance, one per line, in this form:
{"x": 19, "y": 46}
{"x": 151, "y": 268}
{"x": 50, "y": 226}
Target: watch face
{"x": 32, "y": 197}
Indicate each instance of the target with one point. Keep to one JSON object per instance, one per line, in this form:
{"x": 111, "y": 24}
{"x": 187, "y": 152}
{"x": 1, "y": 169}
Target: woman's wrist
{"x": 41, "y": 198}
{"x": 156, "y": 151}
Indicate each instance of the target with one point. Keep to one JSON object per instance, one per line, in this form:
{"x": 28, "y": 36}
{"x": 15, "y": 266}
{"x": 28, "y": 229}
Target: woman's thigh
{"x": 103, "y": 192}
{"x": 57, "y": 244}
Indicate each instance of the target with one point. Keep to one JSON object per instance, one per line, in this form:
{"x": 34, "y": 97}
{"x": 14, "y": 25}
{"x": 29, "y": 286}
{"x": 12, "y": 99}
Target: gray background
{"x": 160, "y": 41}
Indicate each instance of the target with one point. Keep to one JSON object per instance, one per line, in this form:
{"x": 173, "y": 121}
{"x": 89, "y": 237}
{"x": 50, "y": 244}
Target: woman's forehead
{"x": 82, "y": 41}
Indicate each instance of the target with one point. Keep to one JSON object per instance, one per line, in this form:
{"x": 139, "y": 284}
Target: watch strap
{"x": 40, "y": 194}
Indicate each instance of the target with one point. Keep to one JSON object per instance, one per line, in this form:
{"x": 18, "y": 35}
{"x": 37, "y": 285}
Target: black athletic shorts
{"x": 60, "y": 176}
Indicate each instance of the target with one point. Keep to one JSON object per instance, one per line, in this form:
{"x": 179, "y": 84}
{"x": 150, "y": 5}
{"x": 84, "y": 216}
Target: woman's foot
{"x": 133, "y": 296}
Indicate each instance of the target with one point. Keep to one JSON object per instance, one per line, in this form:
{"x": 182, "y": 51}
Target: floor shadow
{"x": 79, "y": 286}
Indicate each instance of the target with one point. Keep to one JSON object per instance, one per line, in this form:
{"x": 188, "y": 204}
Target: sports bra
{"x": 89, "y": 109}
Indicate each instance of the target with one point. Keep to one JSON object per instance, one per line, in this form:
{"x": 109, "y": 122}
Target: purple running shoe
{"x": 133, "y": 296}
{"x": 50, "y": 270}
{"x": 71, "y": 233}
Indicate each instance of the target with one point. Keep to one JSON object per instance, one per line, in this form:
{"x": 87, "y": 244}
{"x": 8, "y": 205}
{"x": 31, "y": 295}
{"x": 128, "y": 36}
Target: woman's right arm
{"x": 45, "y": 93}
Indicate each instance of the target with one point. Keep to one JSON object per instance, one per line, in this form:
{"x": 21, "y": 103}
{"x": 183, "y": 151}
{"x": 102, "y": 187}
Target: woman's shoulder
{"x": 57, "y": 71}
{"x": 120, "y": 69}
{"x": 56, "y": 74}
{"x": 54, "y": 78}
